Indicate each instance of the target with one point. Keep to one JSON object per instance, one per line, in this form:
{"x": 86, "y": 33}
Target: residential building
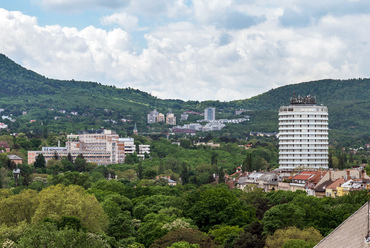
{"x": 152, "y": 116}
{"x": 303, "y": 135}
{"x": 15, "y": 159}
{"x": 184, "y": 116}
{"x": 300, "y": 181}
{"x": 210, "y": 114}
{"x": 3, "y": 125}
{"x": 264, "y": 180}
{"x": 160, "y": 117}
{"x": 170, "y": 119}
{"x": 4, "y": 144}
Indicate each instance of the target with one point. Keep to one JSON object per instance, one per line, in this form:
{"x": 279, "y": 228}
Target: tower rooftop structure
{"x": 307, "y": 100}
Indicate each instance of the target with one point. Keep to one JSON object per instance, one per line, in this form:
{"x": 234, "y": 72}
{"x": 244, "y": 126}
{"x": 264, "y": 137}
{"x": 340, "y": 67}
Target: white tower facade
{"x": 303, "y": 135}
{"x": 210, "y": 114}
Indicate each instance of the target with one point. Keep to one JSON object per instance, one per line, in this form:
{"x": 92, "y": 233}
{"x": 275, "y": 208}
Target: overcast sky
{"x": 189, "y": 49}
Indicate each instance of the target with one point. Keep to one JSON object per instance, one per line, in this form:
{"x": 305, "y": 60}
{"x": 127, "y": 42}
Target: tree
{"x": 219, "y": 206}
{"x": 80, "y": 163}
{"x": 283, "y": 235}
{"x": 330, "y": 163}
{"x": 221, "y": 175}
{"x": 26, "y": 204}
{"x": 220, "y": 233}
{"x": 40, "y": 161}
{"x": 298, "y": 243}
{"x": 47, "y": 234}
{"x": 69, "y": 158}
{"x": 184, "y": 174}
{"x": 140, "y": 170}
{"x": 56, "y": 201}
{"x": 120, "y": 226}
{"x": 183, "y": 244}
{"x": 281, "y": 216}
{"x": 192, "y": 236}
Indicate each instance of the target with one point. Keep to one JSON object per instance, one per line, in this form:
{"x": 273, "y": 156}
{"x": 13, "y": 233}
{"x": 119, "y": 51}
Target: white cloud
{"x": 125, "y": 20}
{"x": 193, "y": 56}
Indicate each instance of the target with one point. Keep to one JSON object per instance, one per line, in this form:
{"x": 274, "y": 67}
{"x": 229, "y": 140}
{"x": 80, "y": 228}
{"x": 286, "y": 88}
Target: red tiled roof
{"x": 304, "y": 175}
{"x": 316, "y": 178}
{"x": 4, "y": 144}
{"x": 336, "y": 184}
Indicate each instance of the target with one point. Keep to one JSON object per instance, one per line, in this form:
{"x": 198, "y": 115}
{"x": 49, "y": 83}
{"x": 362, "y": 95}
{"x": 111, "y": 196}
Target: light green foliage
{"x": 26, "y": 204}
{"x": 47, "y": 234}
{"x": 178, "y": 223}
{"x": 59, "y": 200}
{"x": 277, "y": 240}
{"x": 298, "y": 243}
{"x": 220, "y": 233}
{"x": 12, "y": 233}
{"x": 183, "y": 244}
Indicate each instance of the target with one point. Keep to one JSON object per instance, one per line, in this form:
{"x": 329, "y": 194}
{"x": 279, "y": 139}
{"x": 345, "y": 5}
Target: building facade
{"x": 210, "y": 114}
{"x": 170, "y": 119}
{"x": 152, "y": 116}
{"x": 303, "y": 135}
{"x": 101, "y": 146}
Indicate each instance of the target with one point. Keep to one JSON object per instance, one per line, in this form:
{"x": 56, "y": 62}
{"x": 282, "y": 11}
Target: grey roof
{"x": 322, "y": 187}
{"x": 242, "y": 180}
{"x": 14, "y": 157}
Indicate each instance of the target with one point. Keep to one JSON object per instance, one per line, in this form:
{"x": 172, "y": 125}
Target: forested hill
{"x": 328, "y": 92}
{"x": 25, "y": 90}
{"x": 17, "y": 81}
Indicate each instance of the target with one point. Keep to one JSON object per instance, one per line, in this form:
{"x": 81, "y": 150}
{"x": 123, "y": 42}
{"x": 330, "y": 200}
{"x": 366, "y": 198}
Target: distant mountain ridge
{"x": 25, "y": 90}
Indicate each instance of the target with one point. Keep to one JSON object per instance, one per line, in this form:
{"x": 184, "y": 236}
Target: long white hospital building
{"x": 100, "y": 146}
{"x": 303, "y": 135}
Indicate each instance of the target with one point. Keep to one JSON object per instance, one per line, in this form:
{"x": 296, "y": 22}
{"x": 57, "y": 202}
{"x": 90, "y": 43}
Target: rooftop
{"x": 308, "y": 100}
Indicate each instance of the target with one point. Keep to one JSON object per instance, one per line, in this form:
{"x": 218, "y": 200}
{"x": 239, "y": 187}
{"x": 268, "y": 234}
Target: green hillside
{"x": 97, "y": 105}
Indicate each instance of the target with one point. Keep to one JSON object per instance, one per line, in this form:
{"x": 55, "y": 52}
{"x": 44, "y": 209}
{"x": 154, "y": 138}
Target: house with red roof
{"x": 4, "y": 144}
{"x": 299, "y": 182}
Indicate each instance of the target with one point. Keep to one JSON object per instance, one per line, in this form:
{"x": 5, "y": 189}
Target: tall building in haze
{"x": 210, "y": 114}
{"x": 303, "y": 134}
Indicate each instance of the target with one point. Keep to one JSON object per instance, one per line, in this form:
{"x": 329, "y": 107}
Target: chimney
{"x": 329, "y": 175}
{"x": 348, "y": 176}
{"x": 363, "y": 174}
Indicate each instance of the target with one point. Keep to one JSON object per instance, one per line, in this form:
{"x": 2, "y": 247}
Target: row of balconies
{"x": 302, "y": 163}
{"x": 301, "y": 136}
{"x": 312, "y": 151}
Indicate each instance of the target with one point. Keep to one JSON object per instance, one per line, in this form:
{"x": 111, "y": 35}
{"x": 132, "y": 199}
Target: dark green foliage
{"x": 219, "y": 206}
{"x": 40, "y": 161}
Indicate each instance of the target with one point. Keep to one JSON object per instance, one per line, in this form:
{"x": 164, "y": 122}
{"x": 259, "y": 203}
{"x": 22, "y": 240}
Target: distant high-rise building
{"x": 210, "y": 114}
{"x": 135, "y": 130}
{"x": 152, "y": 116}
{"x": 184, "y": 117}
{"x": 160, "y": 117}
{"x": 170, "y": 119}
{"x": 303, "y": 134}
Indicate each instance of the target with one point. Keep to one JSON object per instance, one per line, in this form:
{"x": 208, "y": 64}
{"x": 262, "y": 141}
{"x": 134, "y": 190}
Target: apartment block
{"x": 303, "y": 135}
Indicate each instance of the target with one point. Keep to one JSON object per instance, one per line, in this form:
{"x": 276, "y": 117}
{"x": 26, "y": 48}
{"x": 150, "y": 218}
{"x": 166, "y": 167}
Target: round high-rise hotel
{"x": 303, "y": 135}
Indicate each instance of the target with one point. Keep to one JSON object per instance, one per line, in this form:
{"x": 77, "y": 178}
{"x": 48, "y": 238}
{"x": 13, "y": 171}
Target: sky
{"x": 189, "y": 49}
